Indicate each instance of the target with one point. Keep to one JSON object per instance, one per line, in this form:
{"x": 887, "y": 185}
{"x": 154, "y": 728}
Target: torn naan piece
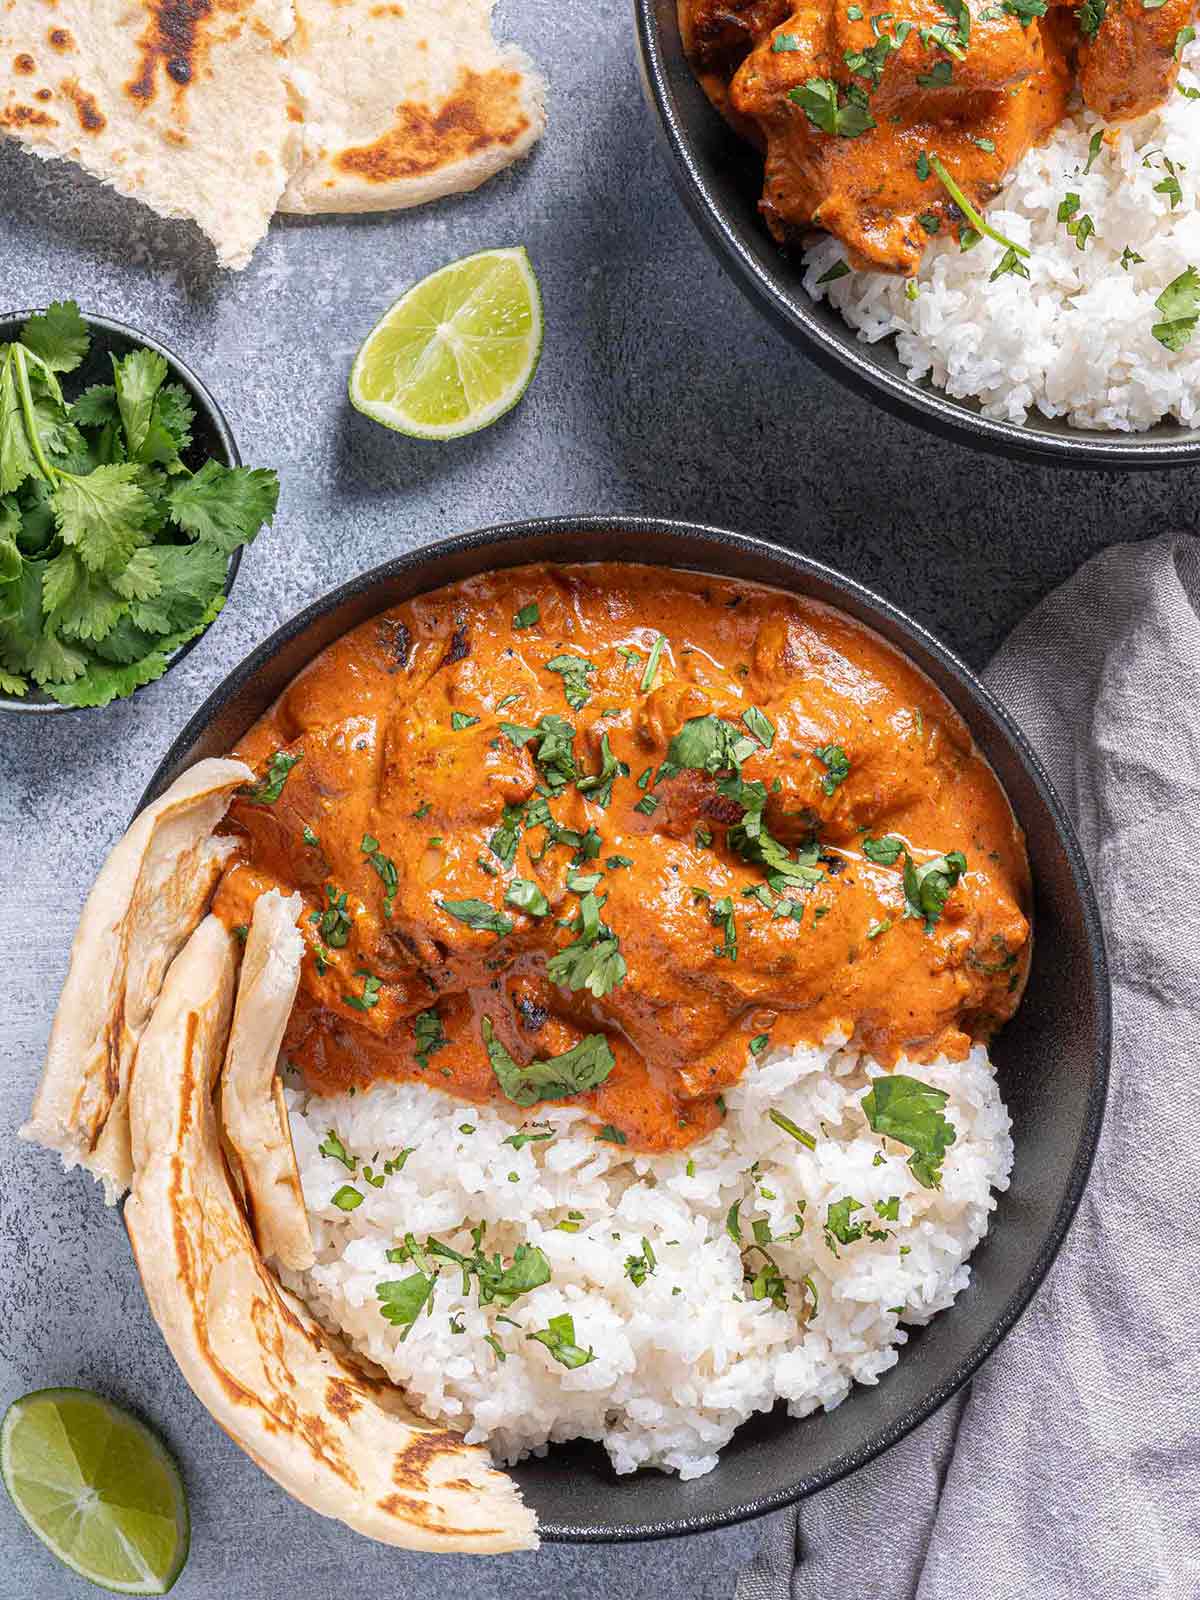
{"x": 253, "y": 1111}
{"x": 181, "y": 105}
{"x": 401, "y": 104}
{"x": 151, "y": 892}
{"x": 331, "y": 1434}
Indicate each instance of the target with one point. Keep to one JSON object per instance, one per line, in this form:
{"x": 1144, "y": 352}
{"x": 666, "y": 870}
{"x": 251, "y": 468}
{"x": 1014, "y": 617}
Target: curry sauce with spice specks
{"x": 602, "y": 831}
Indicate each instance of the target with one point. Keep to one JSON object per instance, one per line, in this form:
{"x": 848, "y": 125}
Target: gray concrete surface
{"x": 660, "y": 390}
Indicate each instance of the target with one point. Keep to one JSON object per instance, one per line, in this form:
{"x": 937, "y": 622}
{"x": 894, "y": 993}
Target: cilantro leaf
{"x": 25, "y": 646}
{"x": 818, "y": 99}
{"x": 103, "y": 515}
{"x": 836, "y": 763}
{"x": 584, "y": 1066}
{"x": 77, "y": 602}
{"x": 574, "y": 672}
{"x": 1180, "y": 305}
{"x": 401, "y": 1300}
{"x": 885, "y": 852}
{"x": 838, "y": 1226}
{"x": 96, "y": 407}
{"x": 1090, "y": 16}
{"x": 909, "y": 1111}
{"x": 137, "y": 378}
{"x": 429, "y": 1036}
{"x": 559, "y": 1338}
{"x": 99, "y": 683}
{"x": 480, "y": 916}
{"x": 16, "y": 458}
{"x": 527, "y": 897}
{"x": 225, "y": 506}
{"x": 927, "y": 887}
{"x": 58, "y": 335}
{"x": 267, "y": 790}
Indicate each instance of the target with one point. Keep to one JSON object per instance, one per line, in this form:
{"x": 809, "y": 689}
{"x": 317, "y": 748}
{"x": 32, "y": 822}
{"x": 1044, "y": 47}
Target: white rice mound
{"x": 1074, "y": 341}
{"x": 683, "y": 1359}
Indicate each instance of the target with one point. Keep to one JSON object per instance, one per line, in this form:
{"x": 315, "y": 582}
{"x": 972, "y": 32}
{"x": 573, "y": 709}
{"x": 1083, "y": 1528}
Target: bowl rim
{"x": 791, "y": 311}
{"x": 230, "y": 456}
{"x": 710, "y": 539}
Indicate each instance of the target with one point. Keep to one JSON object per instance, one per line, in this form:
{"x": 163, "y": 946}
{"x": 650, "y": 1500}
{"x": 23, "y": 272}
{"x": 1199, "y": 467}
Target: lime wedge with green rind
{"x": 456, "y": 351}
{"x": 98, "y": 1489}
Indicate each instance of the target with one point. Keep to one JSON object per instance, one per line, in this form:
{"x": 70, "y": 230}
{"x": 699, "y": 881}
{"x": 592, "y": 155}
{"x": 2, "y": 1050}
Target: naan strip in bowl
{"x": 149, "y": 896}
{"x": 336, "y": 1437}
{"x": 179, "y": 105}
{"x": 405, "y": 103}
{"x": 253, "y": 1111}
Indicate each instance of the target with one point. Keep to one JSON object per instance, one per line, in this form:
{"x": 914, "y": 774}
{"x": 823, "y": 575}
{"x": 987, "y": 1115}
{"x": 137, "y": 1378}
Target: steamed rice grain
{"x": 684, "y": 1357}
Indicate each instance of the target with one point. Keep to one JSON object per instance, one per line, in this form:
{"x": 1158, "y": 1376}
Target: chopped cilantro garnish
{"x": 651, "y": 672}
{"x": 615, "y": 862}
{"x": 385, "y": 867}
{"x": 611, "y": 1135}
{"x": 1090, "y": 16}
{"x": 638, "y": 1268}
{"x": 584, "y": 1066}
{"x": 270, "y": 786}
{"x": 333, "y": 923}
{"x": 818, "y": 99}
{"x": 527, "y": 897}
{"x": 798, "y": 1133}
{"x": 909, "y": 1111}
{"x": 786, "y": 42}
{"x": 333, "y": 1147}
{"x": 837, "y": 766}
{"x": 839, "y": 269}
{"x": 347, "y": 1198}
{"x": 401, "y": 1300}
{"x": 885, "y": 852}
{"x": 520, "y": 1140}
{"x": 838, "y": 1227}
{"x": 559, "y": 1338}
{"x": 529, "y": 614}
{"x": 600, "y": 784}
{"x": 574, "y": 672}
{"x": 1180, "y": 305}
{"x": 310, "y": 838}
{"x": 1095, "y": 144}
{"x": 927, "y": 887}
{"x": 760, "y": 725}
{"x": 369, "y": 998}
{"x": 759, "y": 1043}
{"x": 722, "y": 915}
{"x": 479, "y": 915}
{"x": 459, "y": 720}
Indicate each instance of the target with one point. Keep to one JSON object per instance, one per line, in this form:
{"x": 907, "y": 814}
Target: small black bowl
{"x": 719, "y": 178}
{"x": 1052, "y": 1058}
{"x": 211, "y": 438}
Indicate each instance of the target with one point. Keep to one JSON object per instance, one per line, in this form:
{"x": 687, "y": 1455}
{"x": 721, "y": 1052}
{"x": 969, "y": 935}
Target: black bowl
{"x": 719, "y": 178}
{"x": 1053, "y": 1057}
{"x": 211, "y": 437}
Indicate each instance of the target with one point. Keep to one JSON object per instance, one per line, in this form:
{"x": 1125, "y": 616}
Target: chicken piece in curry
{"x": 608, "y": 832}
{"x": 855, "y": 106}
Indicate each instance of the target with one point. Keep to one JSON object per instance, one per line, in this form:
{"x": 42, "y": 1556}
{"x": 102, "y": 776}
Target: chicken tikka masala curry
{"x": 886, "y": 123}
{"x": 609, "y": 832}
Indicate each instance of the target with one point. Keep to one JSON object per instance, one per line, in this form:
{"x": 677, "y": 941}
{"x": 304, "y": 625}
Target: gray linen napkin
{"x": 1071, "y": 1468}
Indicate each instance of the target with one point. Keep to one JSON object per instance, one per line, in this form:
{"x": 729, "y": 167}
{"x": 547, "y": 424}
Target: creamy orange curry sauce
{"x": 851, "y": 103}
{"x": 606, "y": 832}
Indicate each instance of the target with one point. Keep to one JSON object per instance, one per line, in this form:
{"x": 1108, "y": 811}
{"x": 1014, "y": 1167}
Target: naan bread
{"x": 334, "y": 1436}
{"x": 181, "y": 105}
{"x": 150, "y": 894}
{"x": 405, "y": 103}
{"x": 253, "y": 1112}
{"x": 222, "y": 113}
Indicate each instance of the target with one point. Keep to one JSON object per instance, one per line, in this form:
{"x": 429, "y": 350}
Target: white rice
{"x": 1075, "y": 340}
{"x": 683, "y": 1359}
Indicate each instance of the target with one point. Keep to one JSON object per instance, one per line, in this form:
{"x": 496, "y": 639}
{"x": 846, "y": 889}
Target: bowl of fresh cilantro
{"x": 124, "y": 510}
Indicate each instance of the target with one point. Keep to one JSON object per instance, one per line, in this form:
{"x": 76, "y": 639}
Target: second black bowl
{"x": 719, "y": 178}
{"x": 1052, "y": 1058}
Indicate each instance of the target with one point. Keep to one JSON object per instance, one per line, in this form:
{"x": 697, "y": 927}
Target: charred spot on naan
{"x": 60, "y": 39}
{"x": 174, "y": 38}
{"x": 26, "y": 117}
{"x": 91, "y": 118}
{"x": 483, "y": 111}
{"x": 24, "y": 64}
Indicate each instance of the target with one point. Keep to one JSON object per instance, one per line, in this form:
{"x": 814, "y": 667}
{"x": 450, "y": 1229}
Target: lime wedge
{"x": 455, "y": 352}
{"x": 97, "y": 1488}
